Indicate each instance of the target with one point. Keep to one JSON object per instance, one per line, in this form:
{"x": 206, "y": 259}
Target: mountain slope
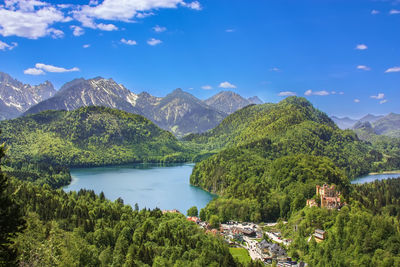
{"x": 388, "y": 125}
{"x": 344, "y": 123}
{"x": 16, "y": 97}
{"x": 182, "y": 113}
{"x": 271, "y": 164}
{"x": 88, "y": 136}
{"x": 370, "y": 118}
{"x": 229, "y": 102}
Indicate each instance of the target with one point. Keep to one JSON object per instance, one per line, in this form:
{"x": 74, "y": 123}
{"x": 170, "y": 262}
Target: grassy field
{"x": 241, "y": 254}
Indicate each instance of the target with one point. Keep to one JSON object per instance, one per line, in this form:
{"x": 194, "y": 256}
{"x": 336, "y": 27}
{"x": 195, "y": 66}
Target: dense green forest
{"x": 364, "y": 233}
{"x": 269, "y": 166}
{"x": 89, "y": 136}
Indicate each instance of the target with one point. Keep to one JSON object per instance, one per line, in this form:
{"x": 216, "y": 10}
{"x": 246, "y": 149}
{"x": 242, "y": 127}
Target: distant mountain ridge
{"x": 178, "y": 112}
{"x": 377, "y": 124}
{"x": 344, "y": 123}
{"x": 16, "y": 97}
{"x": 388, "y": 125}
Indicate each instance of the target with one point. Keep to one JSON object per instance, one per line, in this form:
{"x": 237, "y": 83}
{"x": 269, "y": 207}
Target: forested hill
{"x": 289, "y": 127}
{"x": 52, "y": 228}
{"x": 273, "y": 156}
{"x": 88, "y": 136}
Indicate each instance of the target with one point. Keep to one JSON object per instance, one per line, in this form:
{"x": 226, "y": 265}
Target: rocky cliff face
{"x": 16, "y": 97}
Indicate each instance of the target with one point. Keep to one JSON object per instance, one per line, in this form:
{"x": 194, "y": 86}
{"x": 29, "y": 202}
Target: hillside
{"x": 270, "y": 164}
{"x": 88, "y": 136}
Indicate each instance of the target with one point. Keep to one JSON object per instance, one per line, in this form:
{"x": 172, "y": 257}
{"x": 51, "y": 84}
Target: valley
{"x": 260, "y": 164}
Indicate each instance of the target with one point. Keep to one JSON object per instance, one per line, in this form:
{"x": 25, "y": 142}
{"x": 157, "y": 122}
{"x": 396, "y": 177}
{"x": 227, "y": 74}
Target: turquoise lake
{"x": 149, "y": 185}
{"x": 371, "y": 178}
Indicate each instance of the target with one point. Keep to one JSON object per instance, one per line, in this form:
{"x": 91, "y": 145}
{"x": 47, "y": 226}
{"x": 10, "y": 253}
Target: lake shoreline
{"x": 384, "y": 172}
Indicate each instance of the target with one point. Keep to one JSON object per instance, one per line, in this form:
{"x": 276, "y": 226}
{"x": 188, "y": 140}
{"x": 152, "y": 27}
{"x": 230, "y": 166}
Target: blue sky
{"x": 344, "y": 56}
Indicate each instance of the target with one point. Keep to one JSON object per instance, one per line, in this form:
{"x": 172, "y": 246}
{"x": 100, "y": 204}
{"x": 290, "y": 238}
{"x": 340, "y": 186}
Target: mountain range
{"x": 388, "y": 125}
{"x": 178, "y": 112}
{"x": 348, "y": 123}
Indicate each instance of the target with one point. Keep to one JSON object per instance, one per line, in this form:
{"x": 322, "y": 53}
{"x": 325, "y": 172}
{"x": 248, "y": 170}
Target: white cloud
{"x": 123, "y": 10}
{"x": 77, "y": 31}
{"x": 227, "y": 85}
{"x": 50, "y": 68}
{"x": 287, "y": 93}
{"x": 34, "y": 71}
{"x": 30, "y": 19}
{"x": 154, "y": 41}
{"x": 193, "y": 5}
{"x": 341, "y": 93}
{"x": 394, "y": 12}
{"x": 378, "y": 96}
{"x": 356, "y": 100}
{"x": 319, "y": 93}
{"x": 275, "y": 69}
{"x": 128, "y": 42}
{"x": 394, "y": 69}
{"x": 206, "y": 87}
{"x": 106, "y": 27}
{"x": 363, "y": 67}
{"x": 383, "y": 101}
{"x": 5, "y": 46}
{"x": 374, "y": 12}
{"x": 361, "y": 47}
{"x": 86, "y": 45}
{"x": 230, "y": 30}
{"x": 158, "y": 28}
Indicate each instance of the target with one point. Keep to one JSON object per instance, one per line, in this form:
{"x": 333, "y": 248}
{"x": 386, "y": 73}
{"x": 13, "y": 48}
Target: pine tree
{"x": 11, "y": 221}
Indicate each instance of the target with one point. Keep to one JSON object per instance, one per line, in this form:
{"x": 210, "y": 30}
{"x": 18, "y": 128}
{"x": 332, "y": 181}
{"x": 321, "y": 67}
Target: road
{"x": 252, "y": 248}
{"x": 275, "y": 238}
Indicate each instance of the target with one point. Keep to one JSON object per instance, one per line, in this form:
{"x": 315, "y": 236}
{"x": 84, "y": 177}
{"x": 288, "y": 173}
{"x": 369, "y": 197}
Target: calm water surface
{"x": 371, "y": 178}
{"x": 149, "y": 185}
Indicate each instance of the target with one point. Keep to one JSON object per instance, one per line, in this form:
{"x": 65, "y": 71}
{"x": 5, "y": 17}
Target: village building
{"x": 273, "y": 250}
{"x": 319, "y": 235}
